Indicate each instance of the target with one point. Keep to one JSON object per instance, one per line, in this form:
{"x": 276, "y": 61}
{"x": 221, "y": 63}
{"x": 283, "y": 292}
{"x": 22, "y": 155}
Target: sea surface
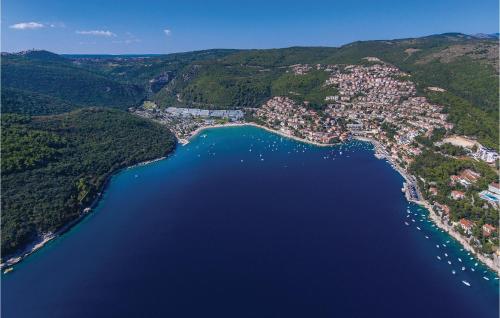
{"x": 244, "y": 223}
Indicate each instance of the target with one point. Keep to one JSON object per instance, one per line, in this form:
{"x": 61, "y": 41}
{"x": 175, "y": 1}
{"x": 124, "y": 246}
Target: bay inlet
{"x": 241, "y": 222}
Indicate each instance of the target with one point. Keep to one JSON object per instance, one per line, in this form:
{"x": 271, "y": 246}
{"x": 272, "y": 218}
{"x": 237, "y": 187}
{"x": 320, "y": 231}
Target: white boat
{"x": 475, "y": 264}
{"x": 438, "y": 257}
{"x": 412, "y": 220}
{"x": 418, "y": 228}
{"x": 460, "y": 260}
{"x": 426, "y": 237}
{"x": 463, "y": 268}
{"x": 453, "y": 272}
{"x": 444, "y": 245}
{"x": 449, "y": 262}
{"x": 466, "y": 283}
{"x": 445, "y": 254}
{"x": 486, "y": 278}
{"x": 437, "y": 246}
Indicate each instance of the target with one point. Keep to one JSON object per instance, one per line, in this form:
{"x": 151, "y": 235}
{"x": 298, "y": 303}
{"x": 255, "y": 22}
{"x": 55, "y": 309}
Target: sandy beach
{"x": 197, "y": 131}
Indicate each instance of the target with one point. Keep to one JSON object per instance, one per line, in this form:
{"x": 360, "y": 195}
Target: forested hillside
{"x": 54, "y": 166}
{"x": 60, "y": 78}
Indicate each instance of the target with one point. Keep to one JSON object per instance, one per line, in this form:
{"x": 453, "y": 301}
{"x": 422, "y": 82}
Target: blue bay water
{"x": 245, "y": 223}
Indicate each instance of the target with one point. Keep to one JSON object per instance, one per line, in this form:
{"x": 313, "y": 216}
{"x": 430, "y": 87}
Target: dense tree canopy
{"x": 53, "y": 167}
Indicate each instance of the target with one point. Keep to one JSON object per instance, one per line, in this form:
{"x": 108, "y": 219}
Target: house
{"x": 457, "y": 195}
{"x": 442, "y": 209}
{"x": 470, "y": 175}
{"x": 494, "y": 188}
{"x": 487, "y": 155}
{"x": 466, "y": 225}
{"x": 488, "y": 229}
{"x": 454, "y": 179}
{"x": 433, "y": 191}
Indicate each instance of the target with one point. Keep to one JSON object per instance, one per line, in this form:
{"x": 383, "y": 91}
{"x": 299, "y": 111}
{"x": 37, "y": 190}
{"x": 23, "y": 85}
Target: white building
{"x": 487, "y": 155}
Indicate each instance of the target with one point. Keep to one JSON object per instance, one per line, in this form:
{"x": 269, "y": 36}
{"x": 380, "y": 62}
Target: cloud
{"x": 27, "y": 26}
{"x": 97, "y": 33}
{"x": 57, "y": 25}
{"x": 127, "y": 41}
{"x": 129, "y": 38}
{"x": 167, "y": 32}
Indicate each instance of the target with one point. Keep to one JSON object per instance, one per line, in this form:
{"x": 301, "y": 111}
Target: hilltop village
{"x": 379, "y": 103}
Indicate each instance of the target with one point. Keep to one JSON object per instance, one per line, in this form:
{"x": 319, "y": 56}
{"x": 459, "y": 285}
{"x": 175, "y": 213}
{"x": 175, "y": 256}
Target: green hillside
{"x": 54, "y": 166}
{"x": 465, "y": 66}
{"x": 62, "y": 79}
{"x": 29, "y": 103}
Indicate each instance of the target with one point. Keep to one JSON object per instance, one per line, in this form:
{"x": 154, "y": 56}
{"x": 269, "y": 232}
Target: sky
{"x": 141, "y": 26}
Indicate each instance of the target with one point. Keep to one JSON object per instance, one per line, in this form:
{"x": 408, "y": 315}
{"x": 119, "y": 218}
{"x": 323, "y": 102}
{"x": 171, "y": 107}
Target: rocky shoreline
{"x": 46, "y": 238}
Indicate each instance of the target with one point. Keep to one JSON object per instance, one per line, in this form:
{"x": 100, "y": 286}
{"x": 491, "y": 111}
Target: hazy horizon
{"x": 163, "y": 27}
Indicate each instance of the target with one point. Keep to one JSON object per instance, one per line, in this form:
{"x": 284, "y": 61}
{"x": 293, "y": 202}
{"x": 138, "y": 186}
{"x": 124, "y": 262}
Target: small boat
{"x": 460, "y": 260}
{"x": 412, "y": 220}
{"x": 407, "y": 223}
{"x": 475, "y": 264}
{"x": 445, "y": 254}
{"x": 466, "y": 283}
{"x": 438, "y": 257}
{"x": 447, "y": 242}
{"x": 437, "y": 246}
{"x": 486, "y": 278}
{"x": 463, "y": 268}
{"x": 444, "y": 245}
{"x": 8, "y": 270}
{"x": 418, "y": 228}
{"x": 449, "y": 262}
{"x": 426, "y": 237}
{"x": 453, "y": 272}
{"x": 472, "y": 269}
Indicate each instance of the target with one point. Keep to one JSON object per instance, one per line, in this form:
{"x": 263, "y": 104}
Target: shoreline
{"x": 277, "y": 132}
{"x": 435, "y": 218}
{"x": 45, "y": 238}
{"x": 48, "y": 237}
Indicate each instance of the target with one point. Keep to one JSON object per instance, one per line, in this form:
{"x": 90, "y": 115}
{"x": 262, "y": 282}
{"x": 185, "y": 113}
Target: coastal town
{"x": 378, "y": 103}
